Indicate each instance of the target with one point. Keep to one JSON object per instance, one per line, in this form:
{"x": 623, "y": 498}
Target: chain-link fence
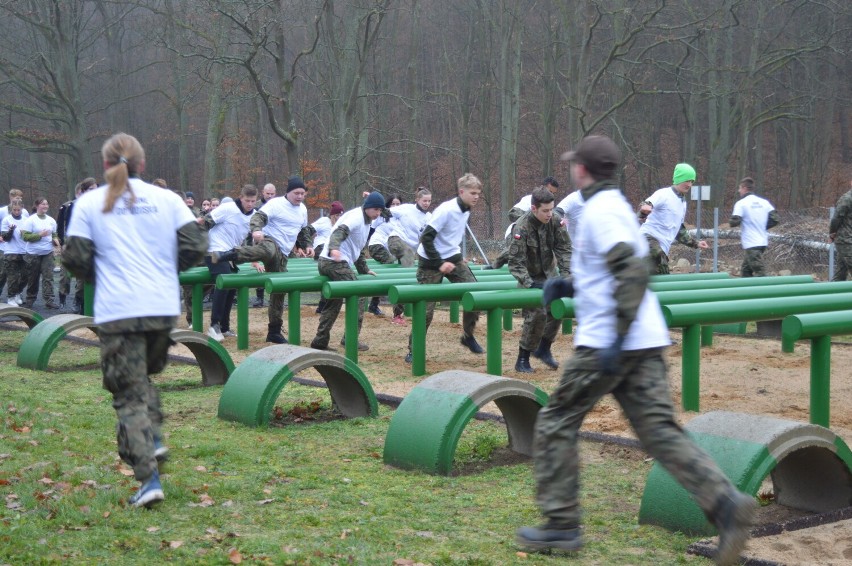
{"x": 797, "y": 246}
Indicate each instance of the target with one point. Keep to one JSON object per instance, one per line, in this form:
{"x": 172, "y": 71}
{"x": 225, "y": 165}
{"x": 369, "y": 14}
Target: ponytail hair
{"x": 421, "y": 192}
{"x": 123, "y": 157}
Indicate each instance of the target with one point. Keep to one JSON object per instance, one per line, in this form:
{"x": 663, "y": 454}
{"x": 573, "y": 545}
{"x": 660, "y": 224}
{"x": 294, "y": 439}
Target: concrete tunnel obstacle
{"x": 28, "y": 316}
{"x": 250, "y": 394}
{"x": 425, "y": 430}
{"x": 810, "y": 467}
{"x": 213, "y": 359}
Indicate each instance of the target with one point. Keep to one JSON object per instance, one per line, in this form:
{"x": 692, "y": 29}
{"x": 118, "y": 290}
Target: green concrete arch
{"x": 45, "y": 336}
{"x": 425, "y": 430}
{"x": 810, "y": 467}
{"x": 214, "y": 360}
{"x": 30, "y": 317}
{"x": 249, "y": 395}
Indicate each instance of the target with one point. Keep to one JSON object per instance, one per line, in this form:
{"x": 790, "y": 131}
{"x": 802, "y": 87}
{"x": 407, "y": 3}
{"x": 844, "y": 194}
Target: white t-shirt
{"x": 136, "y": 250}
{"x": 17, "y": 245}
{"x": 449, "y": 222}
{"x": 231, "y": 228}
{"x": 606, "y": 221}
{"x": 409, "y": 224}
{"x": 572, "y": 205}
{"x": 323, "y": 228}
{"x": 382, "y": 230}
{"x": 285, "y": 221}
{"x": 4, "y": 212}
{"x": 755, "y": 212}
{"x": 525, "y": 203}
{"x": 666, "y": 218}
{"x": 35, "y": 224}
{"x": 359, "y": 231}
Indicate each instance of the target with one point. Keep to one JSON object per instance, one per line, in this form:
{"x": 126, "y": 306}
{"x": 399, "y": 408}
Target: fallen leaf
{"x": 265, "y": 501}
{"x": 45, "y": 481}
{"x": 152, "y": 529}
{"x": 4, "y": 456}
{"x": 267, "y": 491}
{"x": 520, "y": 554}
{"x": 228, "y": 503}
{"x": 204, "y": 501}
{"x": 176, "y": 544}
{"x": 362, "y": 502}
{"x": 200, "y": 469}
{"x": 403, "y": 562}
{"x": 234, "y": 556}
{"x": 106, "y": 514}
{"x": 345, "y": 533}
{"x": 125, "y": 471}
{"x": 347, "y": 459}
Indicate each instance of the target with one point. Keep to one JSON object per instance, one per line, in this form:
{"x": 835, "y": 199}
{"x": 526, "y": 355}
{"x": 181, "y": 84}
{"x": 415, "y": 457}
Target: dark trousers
{"x": 223, "y": 299}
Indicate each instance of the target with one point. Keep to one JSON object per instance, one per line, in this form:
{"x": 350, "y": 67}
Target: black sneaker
{"x": 324, "y": 348}
{"x": 361, "y": 346}
{"x": 734, "y": 518}
{"x": 374, "y": 309}
{"x": 471, "y": 343}
{"x": 408, "y": 358}
{"x": 276, "y": 338}
{"x": 547, "y": 538}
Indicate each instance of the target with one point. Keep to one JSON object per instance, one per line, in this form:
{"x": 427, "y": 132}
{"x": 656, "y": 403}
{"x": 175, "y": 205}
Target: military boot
{"x": 218, "y": 257}
{"x": 274, "y": 334}
{"x": 523, "y": 363}
{"x": 543, "y": 353}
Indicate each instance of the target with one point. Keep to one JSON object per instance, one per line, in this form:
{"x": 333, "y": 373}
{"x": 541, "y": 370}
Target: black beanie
{"x": 374, "y": 200}
{"x": 295, "y": 182}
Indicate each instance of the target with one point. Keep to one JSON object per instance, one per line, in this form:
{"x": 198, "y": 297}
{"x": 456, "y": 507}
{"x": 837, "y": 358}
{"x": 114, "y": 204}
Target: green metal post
{"x": 494, "y": 342}
{"x": 198, "y": 307}
{"x": 454, "y": 312}
{"x": 707, "y": 335}
{"x": 820, "y": 380}
{"x": 243, "y": 318}
{"x": 418, "y": 339}
{"x": 89, "y": 299}
{"x": 566, "y": 326}
{"x": 294, "y": 317}
{"x": 690, "y": 381}
{"x": 507, "y": 319}
{"x": 351, "y": 327}
{"x": 407, "y": 310}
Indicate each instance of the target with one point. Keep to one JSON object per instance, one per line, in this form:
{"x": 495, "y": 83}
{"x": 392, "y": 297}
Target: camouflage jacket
{"x": 536, "y": 249}
{"x": 841, "y": 223}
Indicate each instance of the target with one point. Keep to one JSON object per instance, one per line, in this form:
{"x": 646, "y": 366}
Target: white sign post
{"x": 699, "y": 193}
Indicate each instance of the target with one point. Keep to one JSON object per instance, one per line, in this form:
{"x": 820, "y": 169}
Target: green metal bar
{"x": 707, "y": 336}
{"x": 243, "y": 318}
{"x": 566, "y": 326}
{"x": 494, "y": 342}
{"x": 294, "y": 317}
{"x": 445, "y": 291}
{"x": 454, "y": 312}
{"x": 821, "y": 380}
{"x": 690, "y": 276}
{"x": 743, "y": 293}
{"x": 666, "y": 285}
{"x": 691, "y": 364}
{"x": 351, "y": 327}
{"x": 418, "y": 339}
{"x": 810, "y": 325}
{"x": 508, "y": 317}
{"x": 198, "y": 307}
{"x": 723, "y": 312}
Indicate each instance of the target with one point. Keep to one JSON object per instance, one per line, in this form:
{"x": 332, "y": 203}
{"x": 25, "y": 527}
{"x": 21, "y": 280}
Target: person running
{"x": 268, "y": 193}
{"x": 62, "y": 221}
{"x": 346, "y": 248}
{"x": 403, "y": 241}
{"x": 662, "y": 216}
{"x": 278, "y": 228}
{"x": 134, "y": 238}
{"x": 39, "y": 233}
{"x": 539, "y": 245}
{"x": 228, "y": 227}
{"x": 619, "y": 345}
{"x": 380, "y": 230}
{"x": 14, "y": 194}
{"x": 439, "y": 253}
{"x": 756, "y": 216}
{"x": 14, "y": 259}
{"x": 322, "y": 230}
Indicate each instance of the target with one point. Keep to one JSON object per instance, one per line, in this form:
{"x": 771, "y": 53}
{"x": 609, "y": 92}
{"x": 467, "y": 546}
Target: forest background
{"x": 389, "y": 95}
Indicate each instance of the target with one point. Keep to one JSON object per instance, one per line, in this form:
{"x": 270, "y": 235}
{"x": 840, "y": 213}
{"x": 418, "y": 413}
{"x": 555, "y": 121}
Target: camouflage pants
{"x": 658, "y": 258}
{"x": 842, "y": 261}
{"x": 539, "y": 325}
{"x": 753, "y": 262}
{"x": 40, "y": 267}
{"x": 461, "y": 274}
{"x": 268, "y": 253}
{"x": 16, "y": 273}
{"x": 384, "y": 255}
{"x": 401, "y": 251}
{"x": 2, "y": 271}
{"x": 335, "y": 271}
{"x": 131, "y": 351}
{"x": 641, "y": 388}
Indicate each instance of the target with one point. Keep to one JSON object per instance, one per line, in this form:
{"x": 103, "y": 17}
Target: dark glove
{"x": 537, "y": 285}
{"x": 387, "y": 214}
{"x": 556, "y": 288}
{"x": 610, "y": 357}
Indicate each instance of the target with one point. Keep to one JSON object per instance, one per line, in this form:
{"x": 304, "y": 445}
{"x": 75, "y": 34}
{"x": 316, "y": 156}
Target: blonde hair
{"x": 16, "y": 193}
{"x": 469, "y": 181}
{"x": 124, "y": 156}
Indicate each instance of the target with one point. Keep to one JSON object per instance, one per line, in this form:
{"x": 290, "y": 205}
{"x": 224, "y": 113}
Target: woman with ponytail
{"x": 39, "y": 233}
{"x": 131, "y": 239}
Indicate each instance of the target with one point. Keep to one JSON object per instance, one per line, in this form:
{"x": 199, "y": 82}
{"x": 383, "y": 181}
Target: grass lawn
{"x": 310, "y": 490}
